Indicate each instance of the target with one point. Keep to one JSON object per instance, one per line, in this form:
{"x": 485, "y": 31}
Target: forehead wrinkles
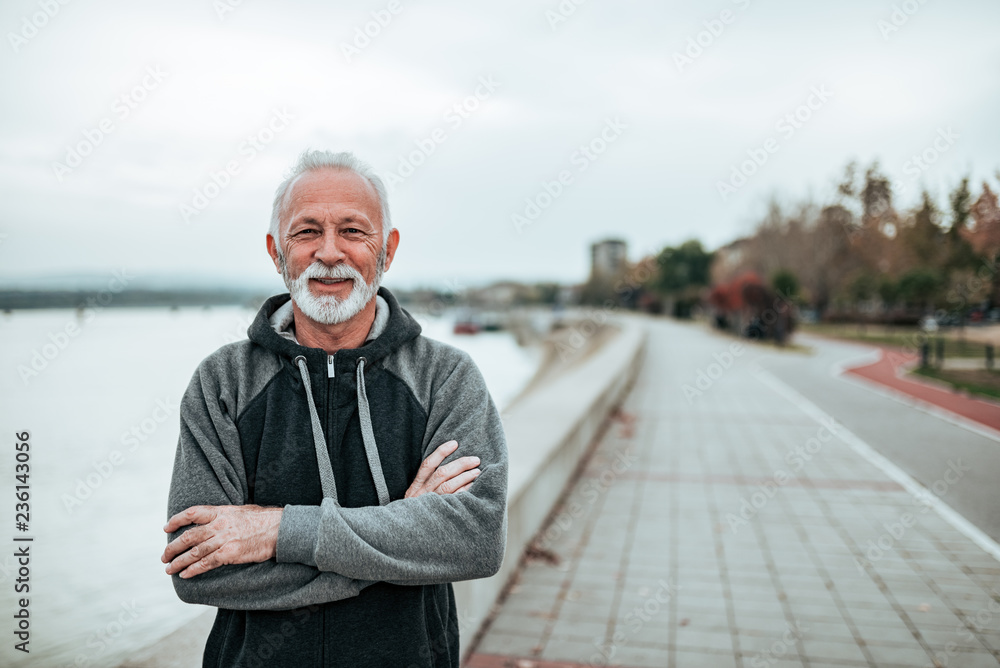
{"x": 328, "y": 189}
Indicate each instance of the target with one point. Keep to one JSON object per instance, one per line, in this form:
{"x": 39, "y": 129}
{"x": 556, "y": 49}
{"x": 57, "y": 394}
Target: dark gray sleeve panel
{"x": 208, "y": 470}
{"x": 432, "y": 538}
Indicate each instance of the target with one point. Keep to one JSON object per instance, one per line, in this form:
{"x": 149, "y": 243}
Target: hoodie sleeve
{"x": 432, "y": 538}
{"x": 208, "y": 470}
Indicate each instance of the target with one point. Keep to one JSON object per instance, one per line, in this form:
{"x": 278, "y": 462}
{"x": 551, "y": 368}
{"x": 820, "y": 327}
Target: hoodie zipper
{"x": 330, "y": 388}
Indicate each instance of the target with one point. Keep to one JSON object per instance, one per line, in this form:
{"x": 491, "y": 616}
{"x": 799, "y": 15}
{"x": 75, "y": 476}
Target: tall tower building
{"x": 608, "y": 257}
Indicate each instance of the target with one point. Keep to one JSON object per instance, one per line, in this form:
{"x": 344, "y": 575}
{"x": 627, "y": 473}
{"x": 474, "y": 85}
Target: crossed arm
{"x": 248, "y": 534}
{"x": 450, "y": 526}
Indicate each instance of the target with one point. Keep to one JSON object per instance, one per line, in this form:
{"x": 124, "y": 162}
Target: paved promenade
{"x": 725, "y": 520}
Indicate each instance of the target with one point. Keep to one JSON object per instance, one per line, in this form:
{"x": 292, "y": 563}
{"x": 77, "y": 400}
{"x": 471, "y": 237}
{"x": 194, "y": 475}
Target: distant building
{"x": 608, "y": 257}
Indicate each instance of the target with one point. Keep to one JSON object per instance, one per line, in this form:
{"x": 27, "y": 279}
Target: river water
{"x": 102, "y": 414}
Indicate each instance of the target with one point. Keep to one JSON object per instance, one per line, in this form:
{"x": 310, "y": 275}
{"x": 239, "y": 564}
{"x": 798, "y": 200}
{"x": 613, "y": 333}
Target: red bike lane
{"x": 889, "y": 372}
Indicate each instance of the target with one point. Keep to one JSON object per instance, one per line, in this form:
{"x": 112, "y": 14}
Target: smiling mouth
{"x": 331, "y": 281}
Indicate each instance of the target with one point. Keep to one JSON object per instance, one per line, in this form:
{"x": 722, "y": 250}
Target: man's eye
{"x": 307, "y": 231}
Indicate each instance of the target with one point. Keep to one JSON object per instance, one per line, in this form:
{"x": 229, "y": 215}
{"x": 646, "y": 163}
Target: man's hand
{"x": 227, "y": 535}
{"x": 453, "y": 477}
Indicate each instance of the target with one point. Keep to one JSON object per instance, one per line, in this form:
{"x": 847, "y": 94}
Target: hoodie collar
{"x": 283, "y": 320}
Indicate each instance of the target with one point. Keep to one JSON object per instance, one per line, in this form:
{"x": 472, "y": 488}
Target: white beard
{"x": 327, "y": 309}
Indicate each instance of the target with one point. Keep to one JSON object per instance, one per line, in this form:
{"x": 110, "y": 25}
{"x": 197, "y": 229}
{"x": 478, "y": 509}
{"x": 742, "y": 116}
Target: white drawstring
{"x": 368, "y": 436}
{"x": 326, "y": 477}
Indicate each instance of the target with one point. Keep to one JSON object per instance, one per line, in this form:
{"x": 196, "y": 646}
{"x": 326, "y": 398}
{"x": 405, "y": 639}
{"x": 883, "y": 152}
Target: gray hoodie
{"x": 362, "y": 575}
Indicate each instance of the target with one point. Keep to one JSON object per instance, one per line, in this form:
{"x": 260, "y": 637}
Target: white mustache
{"x": 320, "y": 270}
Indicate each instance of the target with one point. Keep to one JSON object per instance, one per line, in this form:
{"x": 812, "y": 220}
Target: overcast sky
{"x": 184, "y": 85}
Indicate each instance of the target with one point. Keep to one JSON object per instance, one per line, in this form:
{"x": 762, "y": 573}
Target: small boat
{"x": 466, "y": 327}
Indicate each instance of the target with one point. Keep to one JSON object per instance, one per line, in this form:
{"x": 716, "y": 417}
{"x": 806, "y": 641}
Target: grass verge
{"x": 901, "y": 337}
{"x": 980, "y": 382}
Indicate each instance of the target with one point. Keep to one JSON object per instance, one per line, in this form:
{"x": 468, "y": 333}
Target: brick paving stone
{"x": 512, "y": 644}
{"x": 696, "y": 659}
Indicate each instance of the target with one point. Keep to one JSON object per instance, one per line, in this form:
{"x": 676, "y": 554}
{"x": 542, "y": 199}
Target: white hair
{"x": 312, "y": 160}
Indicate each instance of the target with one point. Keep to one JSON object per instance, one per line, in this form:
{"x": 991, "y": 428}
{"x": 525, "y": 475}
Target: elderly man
{"x": 336, "y": 471}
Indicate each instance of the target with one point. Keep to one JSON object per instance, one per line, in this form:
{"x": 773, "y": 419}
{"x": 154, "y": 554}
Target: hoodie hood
{"x": 283, "y": 320}
{"x": 400, "y": 328}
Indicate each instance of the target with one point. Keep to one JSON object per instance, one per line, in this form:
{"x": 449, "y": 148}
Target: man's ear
{"x": 390, "y": 250}
{"x": 272, "y": 250}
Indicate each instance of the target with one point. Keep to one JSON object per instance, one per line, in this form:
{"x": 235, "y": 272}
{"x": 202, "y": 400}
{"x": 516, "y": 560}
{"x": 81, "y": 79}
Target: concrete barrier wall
{"x": 548, "y": 431}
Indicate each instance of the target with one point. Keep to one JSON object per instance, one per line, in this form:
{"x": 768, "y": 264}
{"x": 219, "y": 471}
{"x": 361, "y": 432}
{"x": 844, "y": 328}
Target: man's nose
{"x": 330, "y": 252}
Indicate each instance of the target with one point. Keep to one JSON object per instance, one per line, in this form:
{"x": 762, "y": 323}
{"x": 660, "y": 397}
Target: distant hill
{"x": 90, "y": 298}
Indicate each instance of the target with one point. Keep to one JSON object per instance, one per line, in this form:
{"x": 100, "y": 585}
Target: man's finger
{"x": 199, "y": 551}
{"x": 458, "y": 482}
{"x": 430, "y": 464}
{"x": 464, "y": 489}
{"x": 185, "y": 542}
{"x": 193, "y": 515}
{"x": 214, "y": 560}
{"x": 452, "y": 469}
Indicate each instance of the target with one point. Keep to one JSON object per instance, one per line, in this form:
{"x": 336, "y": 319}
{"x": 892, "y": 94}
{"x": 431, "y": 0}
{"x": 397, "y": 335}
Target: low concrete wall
{"x": 548, "y": 431}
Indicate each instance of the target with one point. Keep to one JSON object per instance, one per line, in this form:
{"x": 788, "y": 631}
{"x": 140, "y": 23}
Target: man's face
{"x": 332, "y": 227}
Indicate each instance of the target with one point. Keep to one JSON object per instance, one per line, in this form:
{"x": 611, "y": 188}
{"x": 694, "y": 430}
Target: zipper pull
{"x": 329, "y": 366}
